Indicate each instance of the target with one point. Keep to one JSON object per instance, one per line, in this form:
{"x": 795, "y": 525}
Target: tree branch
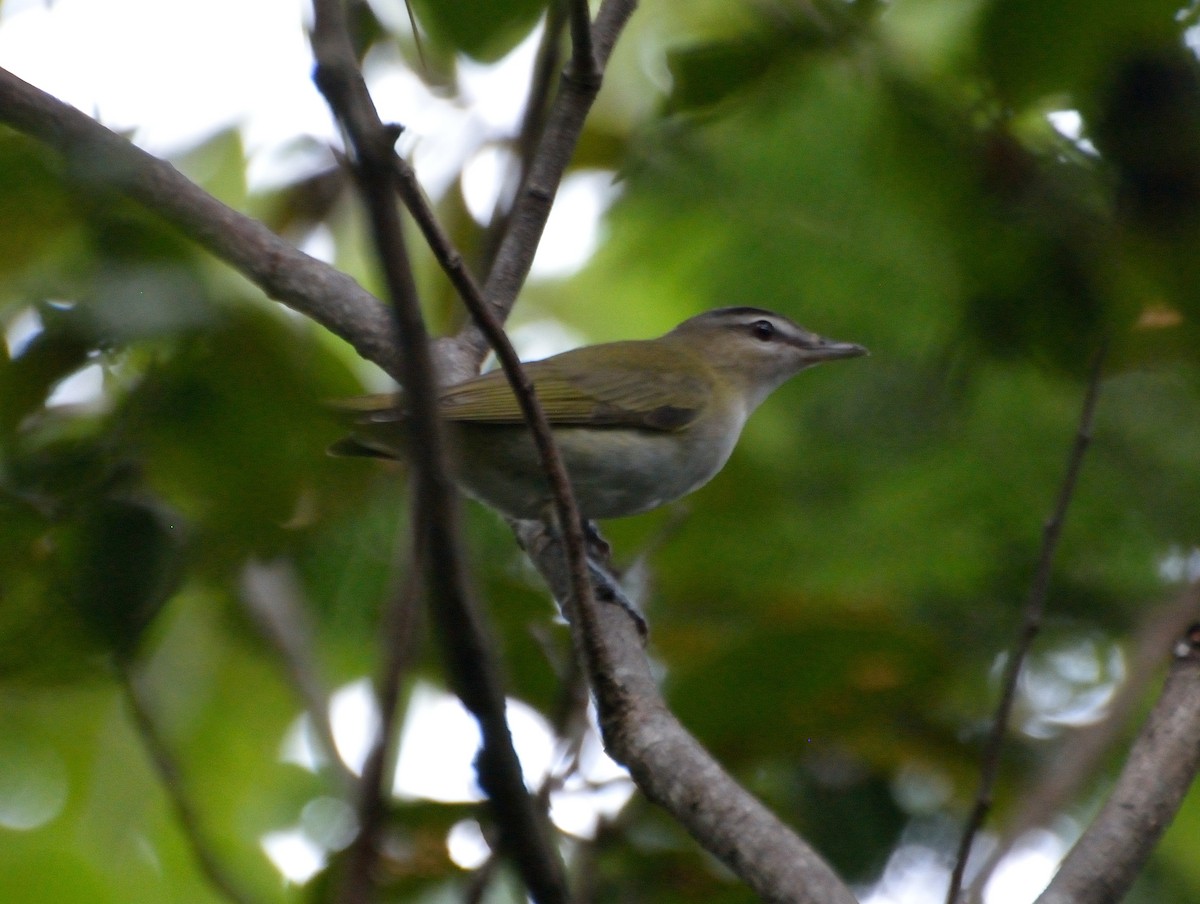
{"x": 397, "y": 634}
{"x": 584, "y": 68}
{"x": 525, "y": 831}
{"x": 1035, "y": 606}
{"x": 1108, "y": 857}
{"x": 1082, "y": 751}
{"x": 668, "y": 764}
{"x": 105, "y": 160}
{"x": 532, "y": 206}
{"x": 271, "y": 596}
{"x": 674, "y": 770}
{"x": 533, "y": 123}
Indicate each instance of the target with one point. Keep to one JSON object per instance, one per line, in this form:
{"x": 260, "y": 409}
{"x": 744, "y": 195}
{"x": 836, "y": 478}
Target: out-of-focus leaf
{"x": 482, "y": 29}
{"x": 705, "y": 73}
{"x": 1148, "y": 128}
{"x": 219, "y": 165}
{"x": 37, "y": 208}
{"x": 25, "y": 381}
{"x": 121, "y": 561}
{"x": 234, "y": 430}
{"x": 365, "y": 28}
{"x": 296, "y": 208}
{"x": 1039, "y": 48}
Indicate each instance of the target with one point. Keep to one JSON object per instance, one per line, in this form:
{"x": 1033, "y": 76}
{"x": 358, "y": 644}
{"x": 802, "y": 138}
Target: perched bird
{"x": 638, "y": 423}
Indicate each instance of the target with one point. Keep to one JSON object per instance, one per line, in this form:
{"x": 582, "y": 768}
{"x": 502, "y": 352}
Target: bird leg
{"x": 608, "y": 590}
{"x": 536, "y": 535}
{"x": 605, "y": 582}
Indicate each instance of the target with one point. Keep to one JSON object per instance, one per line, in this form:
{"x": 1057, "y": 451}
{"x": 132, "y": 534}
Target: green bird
{"x": 639, "y": 423}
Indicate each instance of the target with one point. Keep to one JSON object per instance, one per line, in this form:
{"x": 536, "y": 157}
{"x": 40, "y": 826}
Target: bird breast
{"x": 614, "y": 471}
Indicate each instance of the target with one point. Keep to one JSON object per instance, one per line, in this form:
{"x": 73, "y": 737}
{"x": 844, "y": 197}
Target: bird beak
{"x": 828, "y": 350}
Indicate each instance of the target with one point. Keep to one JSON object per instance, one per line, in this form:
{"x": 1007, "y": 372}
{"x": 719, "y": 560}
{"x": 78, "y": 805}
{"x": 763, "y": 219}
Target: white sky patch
{"x": 21, "y": 330}
{"x": 915, "y": 874}
{"x": 297, "y": 857}
{"x": 354, "y": 720}
{"x": 486, "y": 174}
{"x": 1025, "y": 873}
{"x": 84, "y": 387}
{"x": 437, "y": 745}
{"x": 319, "y": 243}
{"x": 174, "y": 73}
{"x": 1180, "y": 565}
{"x": 466, "y": 845}
{"x": 300, "y": 747}
{"x": 439, "y": 741}
{"x": 497, "y": 92}
{"x": 1069, "y": 124}
{"x": 573, "y": 230}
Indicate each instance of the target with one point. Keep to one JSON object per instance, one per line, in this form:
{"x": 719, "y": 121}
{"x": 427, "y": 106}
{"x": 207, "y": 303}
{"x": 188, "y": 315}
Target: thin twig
{"x": 564, "y": 125}
{"x": 104, "y": 161}
{"x": 580, "y": 601}
{"x": 398, "y": 633}
{"x": 533, "y": 123}
{"x": 416, "y": 33}
{"x": 271, "y": 597}
{"x": 1082, "y": 751}
{"x": 1103, "y": 864}
{"x": 584, "y": 67}
{"x": 672, "y": 769}
{"x": 171, "y": 777}
{"x": 525, "y": 833}
{"x": 1035, "y": 606}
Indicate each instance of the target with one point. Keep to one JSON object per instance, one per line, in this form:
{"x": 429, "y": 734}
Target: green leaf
{"x": 1035, "y": 49}
{"x": 482, "y": 29}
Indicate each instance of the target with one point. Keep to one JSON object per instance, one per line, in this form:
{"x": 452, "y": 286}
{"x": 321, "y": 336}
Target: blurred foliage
{"x": 827, "y": 614}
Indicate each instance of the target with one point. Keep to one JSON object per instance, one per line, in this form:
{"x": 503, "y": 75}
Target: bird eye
{"x": 763, "y": 329}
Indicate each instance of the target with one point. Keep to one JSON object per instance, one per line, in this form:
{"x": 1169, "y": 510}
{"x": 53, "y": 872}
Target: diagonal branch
{"x": 676, "y": 772}
{"x": 271, "y": 597}
{"x": 398, "y": 631}
{"x": 1165, "y": 758}
{"x": 525, "y": 831}
{"x": 532, "y": 206}
{"x": 580, "y": 600}
{"x": 167, "y": 768}
{"x": 107, "y": 161}
{"x": 1035, "y": 607}
{"x": 533, "y": 123}
{"x": 584, "y": 67}
{"x": 1084, "y": 750}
